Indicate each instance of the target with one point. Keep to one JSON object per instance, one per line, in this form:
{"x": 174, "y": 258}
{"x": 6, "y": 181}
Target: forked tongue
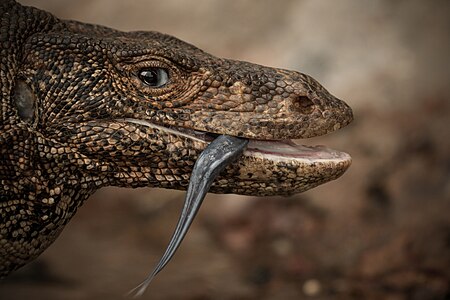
{"x": 217, "y": 155}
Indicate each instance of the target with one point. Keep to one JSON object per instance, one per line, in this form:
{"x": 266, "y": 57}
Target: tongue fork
{"x": 217, "y": 155}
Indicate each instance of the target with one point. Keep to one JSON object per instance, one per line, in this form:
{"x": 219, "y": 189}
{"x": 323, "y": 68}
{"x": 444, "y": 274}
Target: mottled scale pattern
{"x": 80, "y": 84}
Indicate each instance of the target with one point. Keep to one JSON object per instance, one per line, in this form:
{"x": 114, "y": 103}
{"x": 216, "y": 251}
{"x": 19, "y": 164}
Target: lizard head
{"x": 136, "y": 109}
{"x": 85, "y": 106}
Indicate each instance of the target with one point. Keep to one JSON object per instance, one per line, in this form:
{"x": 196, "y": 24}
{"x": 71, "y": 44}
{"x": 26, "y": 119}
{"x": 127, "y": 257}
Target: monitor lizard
{"x": 83, "y": 106}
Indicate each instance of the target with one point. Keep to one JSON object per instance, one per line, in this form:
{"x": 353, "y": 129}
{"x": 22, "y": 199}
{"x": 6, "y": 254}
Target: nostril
{"x": 303, "y": 105}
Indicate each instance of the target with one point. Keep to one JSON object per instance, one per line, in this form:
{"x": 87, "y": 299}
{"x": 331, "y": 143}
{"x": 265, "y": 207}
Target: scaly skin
{"x": 74, "y": 117}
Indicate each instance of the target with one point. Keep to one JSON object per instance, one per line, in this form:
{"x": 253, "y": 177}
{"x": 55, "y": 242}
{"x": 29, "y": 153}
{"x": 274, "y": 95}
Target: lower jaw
{"x": 265, "y": 174}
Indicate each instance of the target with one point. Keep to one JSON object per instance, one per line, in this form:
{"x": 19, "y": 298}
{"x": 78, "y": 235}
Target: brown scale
{"x": 84, "y": 106}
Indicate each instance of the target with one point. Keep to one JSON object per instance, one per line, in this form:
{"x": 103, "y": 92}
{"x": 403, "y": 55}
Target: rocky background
{"x": 382, "y": 231}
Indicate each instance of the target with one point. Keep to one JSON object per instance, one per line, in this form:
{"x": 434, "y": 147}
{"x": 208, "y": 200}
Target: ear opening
{"x": 24, "y": 101}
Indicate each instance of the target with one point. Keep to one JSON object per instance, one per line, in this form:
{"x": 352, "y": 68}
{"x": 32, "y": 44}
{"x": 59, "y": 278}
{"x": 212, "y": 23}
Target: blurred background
{"x": 382, "y": 231}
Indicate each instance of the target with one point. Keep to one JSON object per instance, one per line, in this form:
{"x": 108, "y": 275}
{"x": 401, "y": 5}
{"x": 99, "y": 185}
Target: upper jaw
{"x": 323, "y": 118}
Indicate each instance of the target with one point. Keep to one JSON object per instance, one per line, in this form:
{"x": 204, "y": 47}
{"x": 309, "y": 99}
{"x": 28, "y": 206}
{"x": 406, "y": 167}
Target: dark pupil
{"x": 149, "y": 77}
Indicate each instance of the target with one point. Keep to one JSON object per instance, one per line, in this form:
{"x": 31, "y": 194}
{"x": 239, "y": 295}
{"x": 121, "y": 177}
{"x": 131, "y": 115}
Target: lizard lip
{"x": 275, "y": 150}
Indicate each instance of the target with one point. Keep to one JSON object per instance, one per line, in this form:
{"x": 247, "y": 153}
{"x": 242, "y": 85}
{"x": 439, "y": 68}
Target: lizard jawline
{"x": 274, "y": 150}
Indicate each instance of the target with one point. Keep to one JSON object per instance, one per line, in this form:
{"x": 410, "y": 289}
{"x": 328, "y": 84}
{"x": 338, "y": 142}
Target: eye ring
{"x": 154, "y": 77}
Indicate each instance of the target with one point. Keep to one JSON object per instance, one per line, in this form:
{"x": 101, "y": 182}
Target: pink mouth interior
{"x": 287, "y": 148}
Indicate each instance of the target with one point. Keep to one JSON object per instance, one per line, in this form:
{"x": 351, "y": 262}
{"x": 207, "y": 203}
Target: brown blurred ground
{"x": 382, "y": 231}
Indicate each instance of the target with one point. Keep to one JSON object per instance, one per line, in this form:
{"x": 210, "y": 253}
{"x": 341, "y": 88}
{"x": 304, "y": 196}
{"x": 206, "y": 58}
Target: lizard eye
{"x": 154, "y": 77}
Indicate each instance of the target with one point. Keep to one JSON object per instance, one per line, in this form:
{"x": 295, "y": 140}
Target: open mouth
{"x": 274, "y": 150}
{"x": 223, "y": 150}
